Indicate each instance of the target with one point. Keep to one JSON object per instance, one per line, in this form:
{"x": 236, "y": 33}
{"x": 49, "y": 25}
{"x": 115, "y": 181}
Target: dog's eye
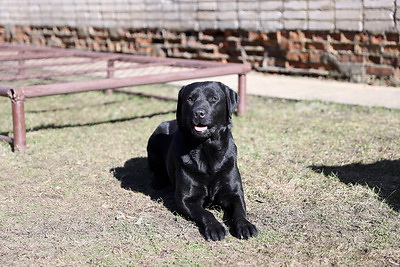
{"x": 213, "y": 98}
{"x": 190, "y": 99}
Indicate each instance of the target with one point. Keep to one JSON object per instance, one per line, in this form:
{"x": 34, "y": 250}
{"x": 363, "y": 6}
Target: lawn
{"x": 321, "y": 180}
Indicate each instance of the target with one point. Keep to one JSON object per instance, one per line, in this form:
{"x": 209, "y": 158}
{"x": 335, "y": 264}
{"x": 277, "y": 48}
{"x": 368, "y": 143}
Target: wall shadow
{"x": 136, "y": 176}
{"x": 384, "y": 176}
{"x": 54, "y": 126}
{"x": 70, "y": 108}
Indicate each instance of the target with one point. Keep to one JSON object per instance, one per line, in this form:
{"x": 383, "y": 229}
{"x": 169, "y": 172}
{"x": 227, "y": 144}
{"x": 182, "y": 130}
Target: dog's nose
{"x": 199, "y": 113}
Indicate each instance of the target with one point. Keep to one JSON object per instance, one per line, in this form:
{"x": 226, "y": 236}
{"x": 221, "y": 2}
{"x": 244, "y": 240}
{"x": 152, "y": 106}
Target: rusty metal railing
{"x": 81, "y": 71}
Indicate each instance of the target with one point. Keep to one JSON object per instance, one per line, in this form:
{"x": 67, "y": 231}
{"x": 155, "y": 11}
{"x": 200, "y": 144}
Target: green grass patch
{"x": 321, "y": 182}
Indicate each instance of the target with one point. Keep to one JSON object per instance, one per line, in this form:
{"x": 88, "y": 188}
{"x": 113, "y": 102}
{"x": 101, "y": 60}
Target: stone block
{"x": 295, "y": 5}
{"x": 318, "y": 25}
{"x": 271, "y": 25}
{"x": 378, "y": 14}
{"x": 320, "y": 4}
{"x": 166, "y": 7}
{"x": 188, "y": 15}
{"x": 295, "y": 24}
{"x": 270, "y": 15}
{"x": 271, "y": 5}
{"x": 321, "y": 15}
{"x": 207, "y": 24}
{"x": 190, "y": 24}
{"x": 379, "y": 3}
{"x": 349, "y": 25}
{"x": 348, "y": 14}
{"x": 183, "y": 7}
{"x": 249, "y": 24}
{"x": 348, "y": 4}
{"x": 172, "y": 24}
{"x": 207, "y": 6}
{"x": 251, "y": 5}
{"x": 206, "y": 15}
{"x": 248, "y": 15}
{"x": 227, "y": 15}
{"x": 290, "y": 14}
{"x": 228, "y": 24}
{"x": 379, "y": 25}
{"x": 171, "y": 16}
{"x": 227, "y": 6}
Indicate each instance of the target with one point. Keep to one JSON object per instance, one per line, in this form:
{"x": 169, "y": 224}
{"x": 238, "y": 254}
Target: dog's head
{"x": 205, "y": 107}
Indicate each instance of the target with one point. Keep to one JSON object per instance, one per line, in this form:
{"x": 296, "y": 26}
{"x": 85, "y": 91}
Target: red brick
{"x": 397, "y": 72}
{"x": 379, "y": 71}
{"x": 362, "y": 38}
{"x": 369, "y": 49}
{"x": 295, "y": 45}
{"x": 290, "y": 45}
{"x": 350, "y": 57}
{"x": 280, "y": 62}
{"x": 282, "y": 35}
{"x": 297, "y": 56}
{"x": 320, "y": 36}
{"x": 392, "y": 37}
{"x": 377, "y": 39}
{"x": 316, "y": 36}
{"x": 257, "y": 36}
{"x": 392, "y": 61}
{"x": 374, "y": 59}
{"x": 320, "y": 66}
{"x": 391, "y": 49}
{"x": 344, "y": 57}
{"x": 357, "y": 58}
{"x": 335, "y": 36}
{"x": 284, "y": 45}
{"x": 293, "y": 35}
{"x": 304, "y": 56}
{"x": 342, "y": 47}
{"x": 254, "y": 36}
{"x": 273, "y": 35}
{"x": 296, "y": 35}
{"x": 347, "y": 36}
{"x": 271, "y": 43}
{"x": 315, "y": 46}
{"x": 308, "y": 35}
{"x": 298, "y": 64}
{"x": 293, "y": 55}
{"x": 315, "y": 57}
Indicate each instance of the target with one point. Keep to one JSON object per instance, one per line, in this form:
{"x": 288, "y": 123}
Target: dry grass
{"x": 321, "y": 182}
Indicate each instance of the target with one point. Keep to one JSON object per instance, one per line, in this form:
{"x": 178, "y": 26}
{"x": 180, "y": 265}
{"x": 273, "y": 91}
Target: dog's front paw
{"x": 244, "y": 229}
{"x": 214, "y": 231}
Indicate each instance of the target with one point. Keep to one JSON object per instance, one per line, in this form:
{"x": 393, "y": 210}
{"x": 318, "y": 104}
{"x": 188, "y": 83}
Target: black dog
{"x": 198, "y": 155}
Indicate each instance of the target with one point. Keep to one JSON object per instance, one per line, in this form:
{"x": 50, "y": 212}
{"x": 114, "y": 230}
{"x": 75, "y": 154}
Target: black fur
{"x": 201, "y": 163}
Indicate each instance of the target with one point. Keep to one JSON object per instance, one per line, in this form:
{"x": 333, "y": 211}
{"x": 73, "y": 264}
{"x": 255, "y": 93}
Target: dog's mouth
{"x": 200, "y": 128}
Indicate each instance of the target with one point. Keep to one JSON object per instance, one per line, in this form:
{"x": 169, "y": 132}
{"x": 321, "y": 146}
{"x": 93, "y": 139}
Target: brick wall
{"x": 356, "y": 39}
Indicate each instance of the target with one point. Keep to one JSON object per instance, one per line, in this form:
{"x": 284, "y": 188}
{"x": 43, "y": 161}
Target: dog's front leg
{"x": 235, "y": 217}
{"x": 190, "y": 200}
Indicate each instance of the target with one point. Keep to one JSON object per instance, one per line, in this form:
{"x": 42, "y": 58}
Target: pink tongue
{"x": 200, "y": 128}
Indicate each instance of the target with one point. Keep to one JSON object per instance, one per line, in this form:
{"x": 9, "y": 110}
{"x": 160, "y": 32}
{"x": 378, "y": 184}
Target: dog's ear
{"x": 179, "y": 106}
{"x": 232, "y": 100}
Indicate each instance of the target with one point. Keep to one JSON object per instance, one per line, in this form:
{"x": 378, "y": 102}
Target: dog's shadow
{"x": 136, "y": 176}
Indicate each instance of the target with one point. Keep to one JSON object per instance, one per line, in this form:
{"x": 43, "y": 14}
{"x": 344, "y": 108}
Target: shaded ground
{"x": 382, "y": 176}
{"x": 321, "y": 183}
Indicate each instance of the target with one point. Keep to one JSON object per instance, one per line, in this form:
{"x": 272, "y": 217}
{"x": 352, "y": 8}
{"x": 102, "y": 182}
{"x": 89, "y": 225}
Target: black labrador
{"x": 196, "y": 153}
